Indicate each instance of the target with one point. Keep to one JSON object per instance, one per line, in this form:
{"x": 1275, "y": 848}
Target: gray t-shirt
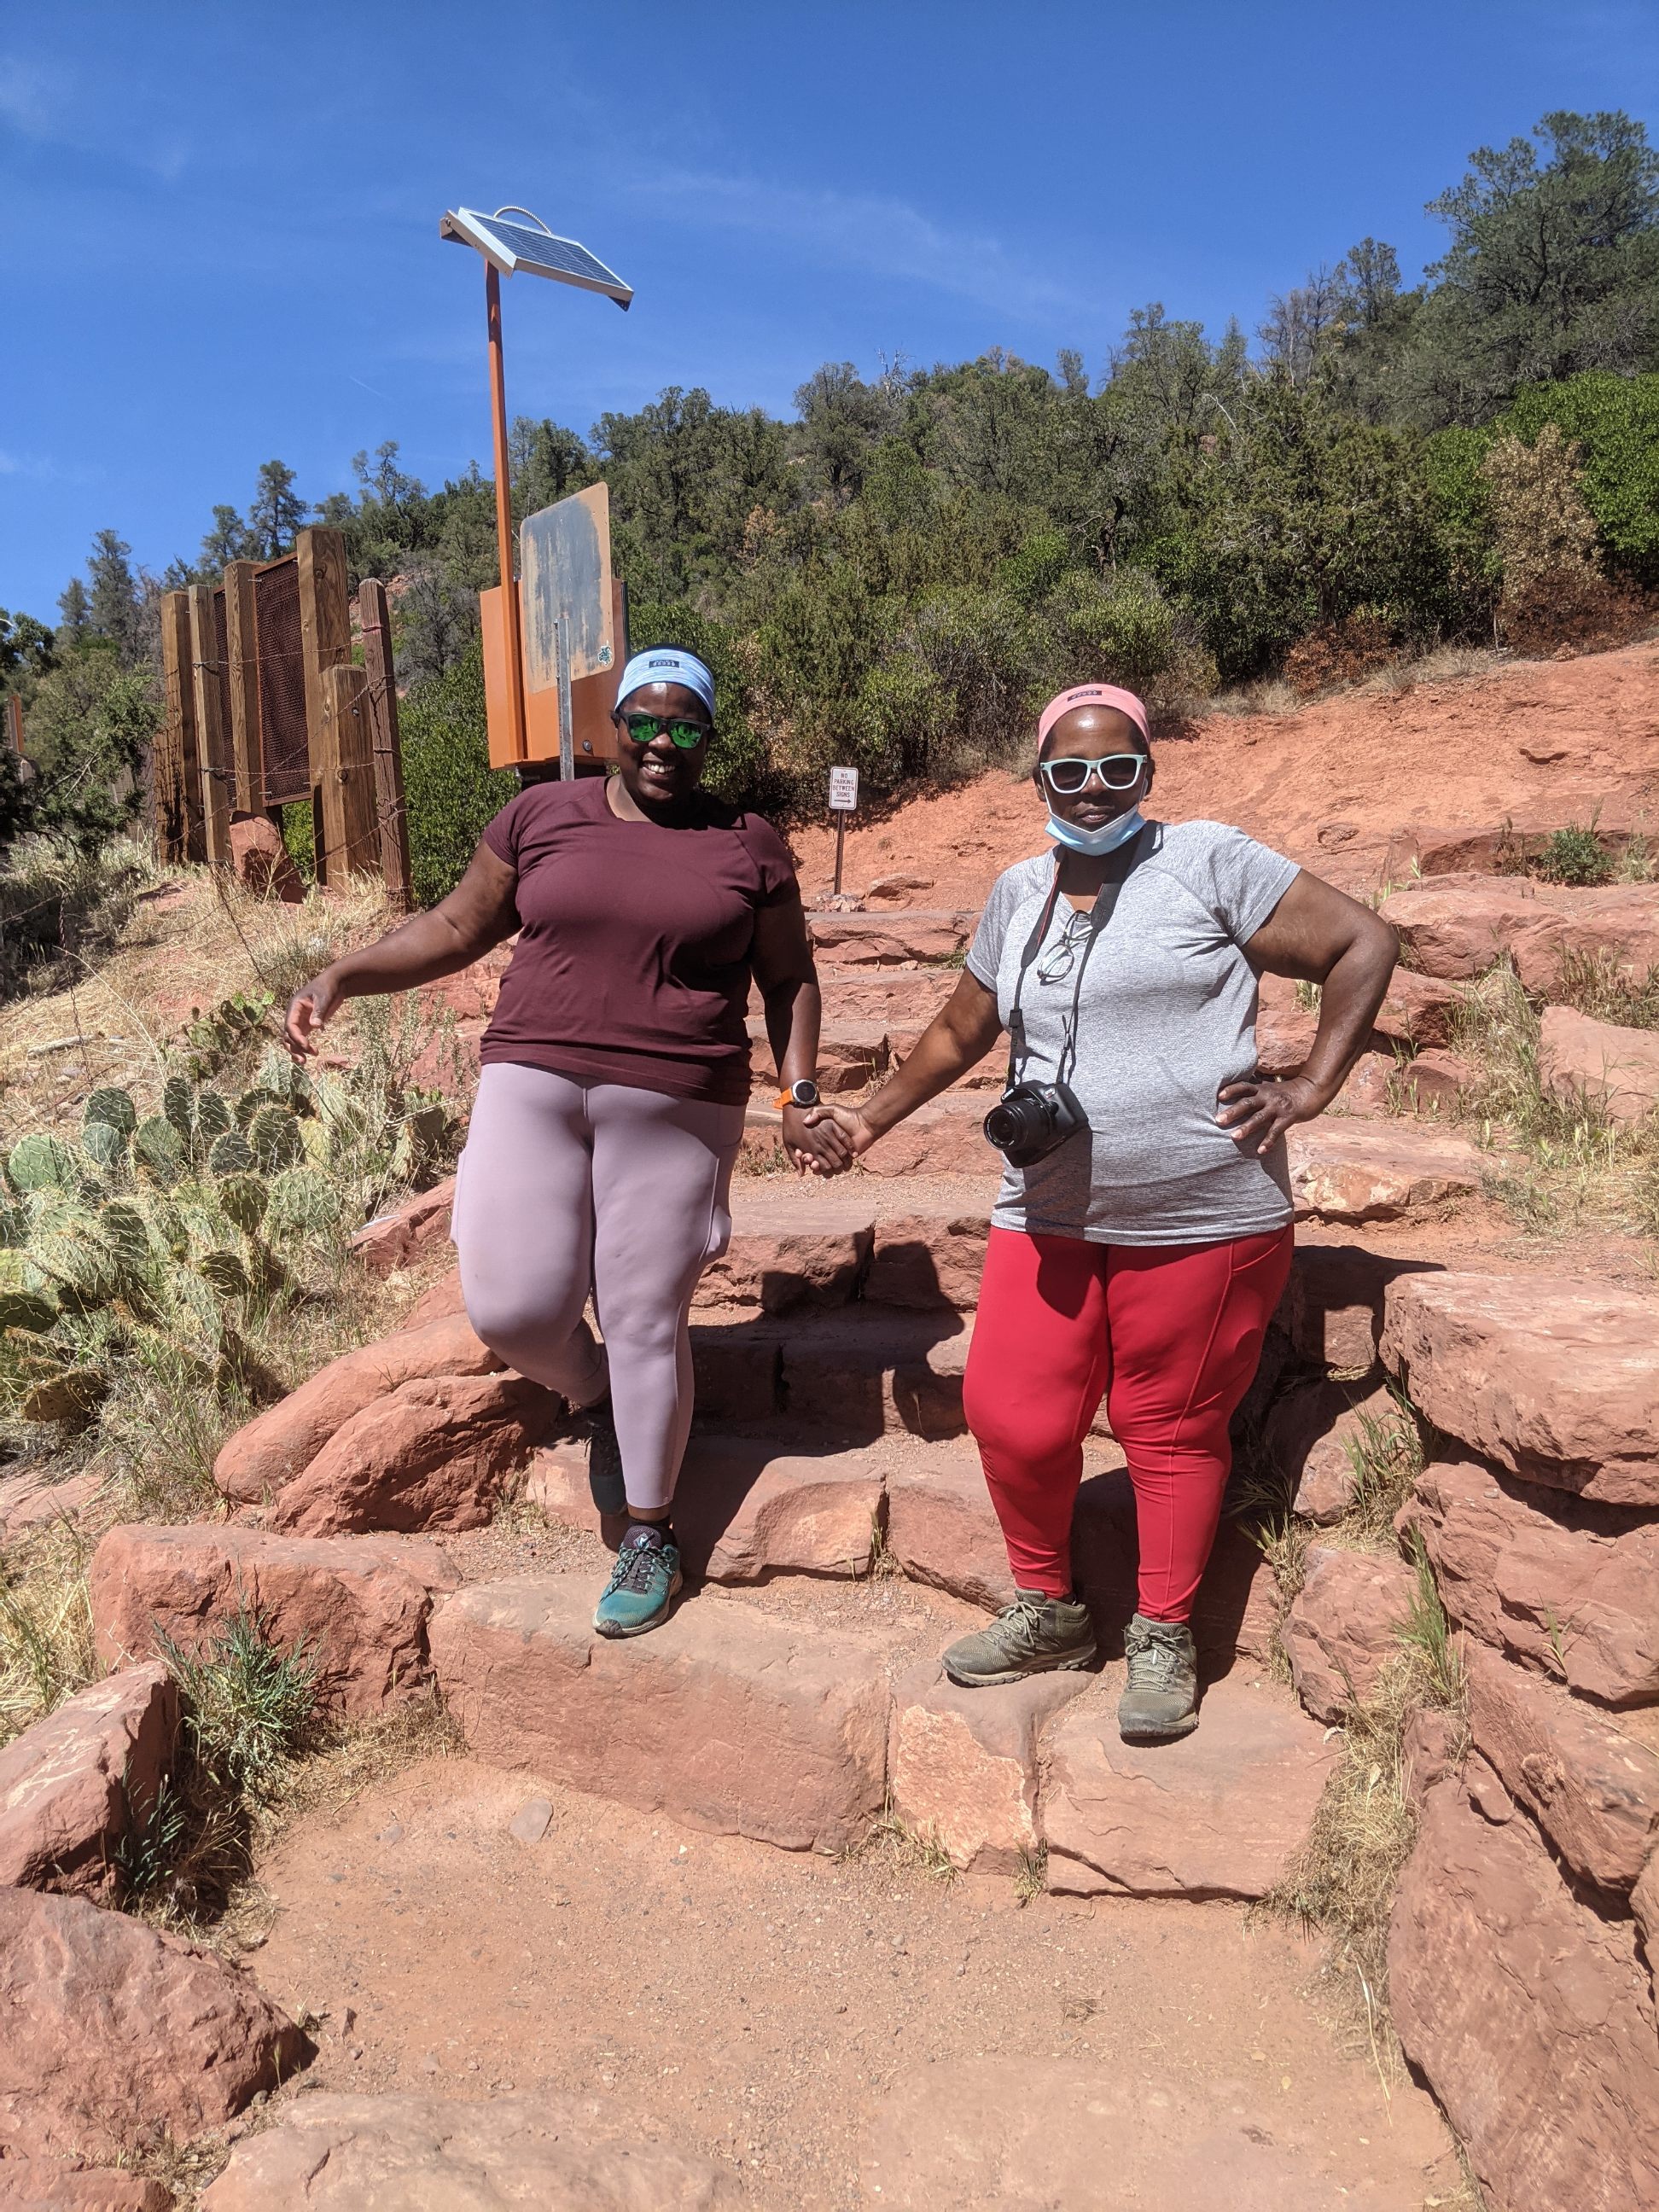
{"x": 1167, "y": 1017}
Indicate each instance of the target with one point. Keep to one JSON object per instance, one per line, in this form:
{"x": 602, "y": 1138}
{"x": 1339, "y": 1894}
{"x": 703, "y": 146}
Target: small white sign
{"x": 843, "y": 791}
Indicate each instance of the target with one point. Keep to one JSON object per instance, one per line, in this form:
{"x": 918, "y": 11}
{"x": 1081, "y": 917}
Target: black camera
{"x": 1031, "y": 1120}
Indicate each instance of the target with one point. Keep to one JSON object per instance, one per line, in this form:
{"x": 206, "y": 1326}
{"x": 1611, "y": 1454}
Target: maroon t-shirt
{"x": 633, "y": 959}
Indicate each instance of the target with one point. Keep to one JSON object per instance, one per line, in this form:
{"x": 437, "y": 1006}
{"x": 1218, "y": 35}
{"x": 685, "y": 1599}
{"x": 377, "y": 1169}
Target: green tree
{"x": 1552, "y": 268}
{"x": 112, "y": 609}
{"x": 230, "y": 539}
{"x": 91, "y": 725}
{"x": 276, "y": 511}
{"x": 26, "y": 651}
{"x": 75, "y": 618}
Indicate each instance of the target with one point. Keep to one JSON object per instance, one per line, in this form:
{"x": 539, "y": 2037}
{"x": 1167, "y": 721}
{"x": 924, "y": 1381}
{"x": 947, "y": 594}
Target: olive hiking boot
{"x": 1161, "y": 1695}
{"x": 1035, "y": 1635}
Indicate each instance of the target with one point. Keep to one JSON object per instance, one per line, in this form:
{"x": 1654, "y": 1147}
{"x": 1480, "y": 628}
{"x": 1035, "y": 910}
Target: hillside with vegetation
{"x": 897, "y": 575}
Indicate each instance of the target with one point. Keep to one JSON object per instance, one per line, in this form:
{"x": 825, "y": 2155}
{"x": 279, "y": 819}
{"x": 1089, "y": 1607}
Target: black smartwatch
{"x": 805, "y": 1093}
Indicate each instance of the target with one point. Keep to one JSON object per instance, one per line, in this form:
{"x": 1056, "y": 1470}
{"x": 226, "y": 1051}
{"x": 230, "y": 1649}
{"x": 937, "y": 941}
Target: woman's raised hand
{"x": 312, "y": 1005}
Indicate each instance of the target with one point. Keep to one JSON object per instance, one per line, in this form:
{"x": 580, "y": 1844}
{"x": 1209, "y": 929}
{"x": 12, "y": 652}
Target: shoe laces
{"x": 638, "y": 1564}
{"x": 1024, "y": 1618}
{"x": 1156, "y": 1653}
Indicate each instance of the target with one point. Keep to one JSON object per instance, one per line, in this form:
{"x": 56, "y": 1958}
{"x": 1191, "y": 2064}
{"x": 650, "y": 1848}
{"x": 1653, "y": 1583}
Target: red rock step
{"x": 725, "y": 1717}
{"x": 854, "y": 1375}
{"x": 917, "y": 936}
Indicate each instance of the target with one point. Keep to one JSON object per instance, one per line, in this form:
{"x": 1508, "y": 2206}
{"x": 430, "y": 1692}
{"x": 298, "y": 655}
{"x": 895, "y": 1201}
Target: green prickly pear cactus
{"x": 41, "y": 1162}
{"x": 302, "y": 1203}
{"x": 159, "y": 1149}
{"x": 28, "y": 1310}
{"x": 232, "y": 1154}
{"x": 275, "y": 1136}
{"x": 111, "y": 1108}
{"x": 244, "y": 1199}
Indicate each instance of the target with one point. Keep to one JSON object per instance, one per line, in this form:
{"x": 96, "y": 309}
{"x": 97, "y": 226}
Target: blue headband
{"x": 666, "y": 664}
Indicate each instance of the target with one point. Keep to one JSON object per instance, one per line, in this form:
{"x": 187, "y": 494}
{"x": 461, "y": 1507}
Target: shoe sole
{"x": 1072, "y": 1666}
{"x": 614, "y": 1633}
{"x": 1168, "y": 1735}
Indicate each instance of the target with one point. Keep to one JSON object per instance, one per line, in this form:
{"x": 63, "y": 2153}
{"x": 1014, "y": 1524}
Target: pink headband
{"x": 1092, "y": 694}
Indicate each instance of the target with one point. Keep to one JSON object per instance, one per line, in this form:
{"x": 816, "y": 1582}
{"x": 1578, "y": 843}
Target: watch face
{"x": 804, "y": 1094}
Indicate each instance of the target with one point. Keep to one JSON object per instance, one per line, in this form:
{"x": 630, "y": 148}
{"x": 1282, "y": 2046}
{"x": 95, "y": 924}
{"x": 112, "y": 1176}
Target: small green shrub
{"x": 452, "y": 790}
{"x": 1574, "y": 856}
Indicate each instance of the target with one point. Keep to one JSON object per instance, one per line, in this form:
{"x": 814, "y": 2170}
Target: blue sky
{"x": 221, "y": 241}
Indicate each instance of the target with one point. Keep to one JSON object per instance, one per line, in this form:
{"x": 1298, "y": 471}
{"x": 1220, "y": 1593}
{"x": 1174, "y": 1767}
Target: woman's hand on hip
{"x": 1257, "y": 1115}
{"x": 312, "y": 1005}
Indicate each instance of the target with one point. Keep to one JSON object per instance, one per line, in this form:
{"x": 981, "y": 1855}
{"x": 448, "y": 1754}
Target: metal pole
{"x": 566, "y": 717}
{"x": 512, "y": 632}
{"x": 841, "y": 847}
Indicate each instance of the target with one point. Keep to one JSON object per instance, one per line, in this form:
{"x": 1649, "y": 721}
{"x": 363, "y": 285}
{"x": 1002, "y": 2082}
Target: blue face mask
{"x": 1094, "y": 843}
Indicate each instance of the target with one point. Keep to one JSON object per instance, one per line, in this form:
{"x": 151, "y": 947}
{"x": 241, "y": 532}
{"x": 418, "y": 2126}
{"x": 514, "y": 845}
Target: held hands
{"x": 838, "y": 1133}
{"x": 1257, "y": 1115}
{"x": 312, "y": 1005}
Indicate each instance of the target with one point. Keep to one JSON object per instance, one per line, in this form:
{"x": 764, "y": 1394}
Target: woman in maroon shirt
{"x": 615, "y": 1071}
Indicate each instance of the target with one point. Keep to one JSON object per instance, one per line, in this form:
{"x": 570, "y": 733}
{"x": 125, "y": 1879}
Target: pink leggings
{"x": 568, "y": 1190}
{"x": 1171, "y": 1335}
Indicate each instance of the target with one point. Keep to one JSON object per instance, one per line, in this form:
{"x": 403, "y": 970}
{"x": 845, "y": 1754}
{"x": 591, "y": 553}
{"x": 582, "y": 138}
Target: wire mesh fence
{"x": 282, "y": 684}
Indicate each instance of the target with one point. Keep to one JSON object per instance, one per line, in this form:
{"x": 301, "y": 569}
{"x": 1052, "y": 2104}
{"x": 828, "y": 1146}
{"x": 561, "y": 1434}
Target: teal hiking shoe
{"x": 1035, "y": 1635}
{"x": 604, "y": 1467}
{"x": 1160, "y": 1698}
{"x": 643, "y": 1584}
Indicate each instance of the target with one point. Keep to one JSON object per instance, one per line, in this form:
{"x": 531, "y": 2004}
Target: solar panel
{"x": 513, "y": 245}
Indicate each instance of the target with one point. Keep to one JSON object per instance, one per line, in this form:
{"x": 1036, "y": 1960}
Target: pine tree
{"x": 276, "y": 512}
{"x": 113, "y": 607}
{"x": 72, "y": 607}
{"x": 230, "y": 539}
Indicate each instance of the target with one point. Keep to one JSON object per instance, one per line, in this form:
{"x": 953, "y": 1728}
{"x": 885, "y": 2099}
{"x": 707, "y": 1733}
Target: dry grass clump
{"x": 1576, "y": 1168}
{"x": 58, "y": 905}
{"x": 895, "y": 1846}
{"x": 46, "y": 1624}
{"x": 1386, "y": 1452}
{"x": 1343, "y": 1880}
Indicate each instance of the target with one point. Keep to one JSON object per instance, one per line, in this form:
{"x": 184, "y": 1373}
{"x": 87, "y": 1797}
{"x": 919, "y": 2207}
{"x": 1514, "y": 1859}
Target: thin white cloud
{"x": 885, "y": 237}
{"x": 26, "y": 98}
{"x": 44, "y": 104}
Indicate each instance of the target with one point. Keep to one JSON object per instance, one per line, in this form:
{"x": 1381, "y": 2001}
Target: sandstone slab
{"x": 86, "y": 1775}
{"x": 942, "y": 1530}
{"x": 963, "y": 1763}
{"x": 726, "y": 1716}
{"x": 919, "y": 936}
{"x": 906, "y": 998}
{"x": 31, "y": 1499}
{"x": 111, "y": 2033}
{"x": 931, "y": 1257}
{"x": 1435, "y": 1083}
{"x": 1419, "y": 1010}
{"x": 1037, "y": 2132}
{"x": 1614, "y": 1068}
{"x": 1571, "y": 1595}
{"x": 1529, "y": 2014}
{"x": 873, "y": 1370}
{"x": 1333, "y": 1305}
{"x": 438, "y": 1301}
{"x": 790, "y": 1248}
{"x": 852, "y": 1055}
{"x": 1220, "y": 1812}
{"x": 1353, "y": 1170}
{"x": 283, "y": 1441}
{"x": 394, "y": 1239}
{"x": 1312, "y": 1436}
{"x": 335, "y": 2153}
{"x": 436, "y": 1454}
{"x": 1453, "y": 928}
{"x": 947, "y": 1137}
{"x": 1284, "y": 1038}
{"x": 1555, "y": 1377}
{"x": 1343, "y": 1626}
{"x": 40, "y": 2184}
{"x": 1613, "y": 927}
{"x": 358, "y": 1604}
{"x": 1591, "y": 1785}
{"x": 745, "y": 1510}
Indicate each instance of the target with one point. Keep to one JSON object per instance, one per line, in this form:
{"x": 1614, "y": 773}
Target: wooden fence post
{"x": 324, "y": 619}
{"x": 390, "y": 806}
{"x": 212, "y": 753}
{"x": 177, "y": 794}
{"x": 242, "y": 650}
{"x": 345, "y": 776}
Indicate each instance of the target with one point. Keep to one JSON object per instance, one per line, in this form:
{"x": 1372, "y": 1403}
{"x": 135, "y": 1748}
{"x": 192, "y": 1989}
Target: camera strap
{"x": 1105, "y": 905}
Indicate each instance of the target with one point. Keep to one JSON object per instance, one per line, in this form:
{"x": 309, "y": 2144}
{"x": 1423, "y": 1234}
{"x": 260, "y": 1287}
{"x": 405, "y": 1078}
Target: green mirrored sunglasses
{"x": 645, "y": 729}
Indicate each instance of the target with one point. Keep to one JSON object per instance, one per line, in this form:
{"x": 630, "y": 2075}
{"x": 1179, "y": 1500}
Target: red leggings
{"x": 1171, "y": 1335}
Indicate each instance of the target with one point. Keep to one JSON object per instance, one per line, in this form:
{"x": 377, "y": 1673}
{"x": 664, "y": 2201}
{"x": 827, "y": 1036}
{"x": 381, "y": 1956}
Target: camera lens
{"x": 1004, "y": 1126}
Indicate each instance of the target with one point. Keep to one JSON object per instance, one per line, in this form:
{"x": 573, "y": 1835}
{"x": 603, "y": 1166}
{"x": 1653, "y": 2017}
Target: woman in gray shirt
{"x": 1141, "y": 1239}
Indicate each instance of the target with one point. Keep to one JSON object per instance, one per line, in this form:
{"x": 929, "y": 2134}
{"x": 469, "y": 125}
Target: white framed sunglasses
{"x": 1116, "y": 772}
